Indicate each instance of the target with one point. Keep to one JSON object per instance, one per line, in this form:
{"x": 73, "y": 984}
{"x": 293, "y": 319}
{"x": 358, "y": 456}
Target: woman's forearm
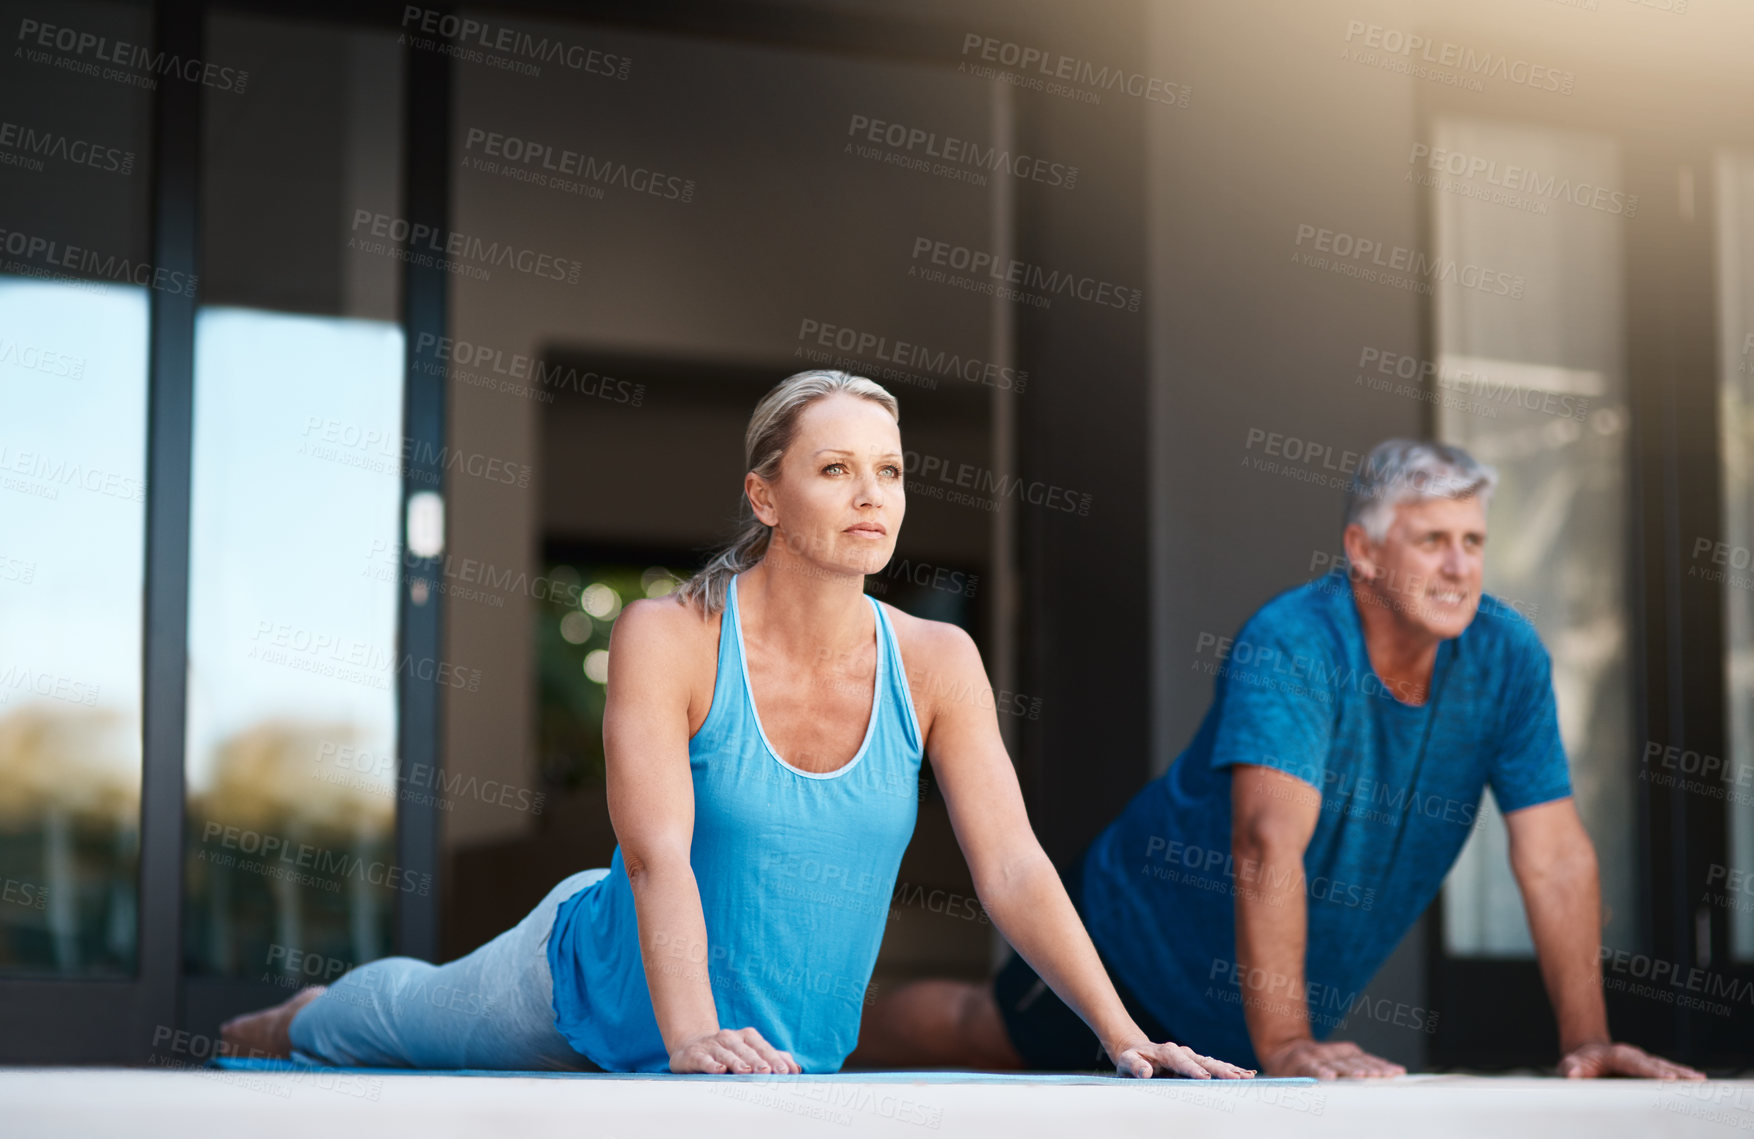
{"x": 1030, "y": 908}
{"x": 673, "y": 946}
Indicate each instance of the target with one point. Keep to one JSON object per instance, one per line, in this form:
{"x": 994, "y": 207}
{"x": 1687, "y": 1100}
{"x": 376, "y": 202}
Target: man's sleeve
{"x": 1529, "y": 767}
{"x": 1276, "y": 705}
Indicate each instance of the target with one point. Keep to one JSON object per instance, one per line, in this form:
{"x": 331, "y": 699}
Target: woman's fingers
{"x": 772, "y": 1057}
{"x": 1182, "y": 1061}
{"x": 748, "y": 1059}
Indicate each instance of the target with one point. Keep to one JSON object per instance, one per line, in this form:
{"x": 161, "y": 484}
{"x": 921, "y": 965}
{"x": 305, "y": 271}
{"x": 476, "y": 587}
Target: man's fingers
{"x": 1574, "y": 1068}
{"x": 1630, "y": 1061}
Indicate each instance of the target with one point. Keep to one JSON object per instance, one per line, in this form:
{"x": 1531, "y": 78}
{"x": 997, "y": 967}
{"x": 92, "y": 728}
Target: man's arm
{"x": 1272, "y": 816}
{"x": 1555, "y": 867}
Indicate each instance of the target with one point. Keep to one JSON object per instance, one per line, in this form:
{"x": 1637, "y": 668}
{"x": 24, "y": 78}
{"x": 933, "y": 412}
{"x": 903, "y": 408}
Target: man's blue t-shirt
{"x": 1400, "y": 786}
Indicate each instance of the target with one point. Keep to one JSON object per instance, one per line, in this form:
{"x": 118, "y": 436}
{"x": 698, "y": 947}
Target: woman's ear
{"x": 760, "y": 496}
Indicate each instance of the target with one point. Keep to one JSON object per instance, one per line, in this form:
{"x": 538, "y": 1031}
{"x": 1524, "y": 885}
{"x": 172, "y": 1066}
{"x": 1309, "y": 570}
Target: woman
{"x": 763, "y": 746}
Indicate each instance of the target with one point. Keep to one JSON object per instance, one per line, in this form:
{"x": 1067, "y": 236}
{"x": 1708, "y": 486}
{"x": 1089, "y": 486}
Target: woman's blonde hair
{"x": 771, "y": 429}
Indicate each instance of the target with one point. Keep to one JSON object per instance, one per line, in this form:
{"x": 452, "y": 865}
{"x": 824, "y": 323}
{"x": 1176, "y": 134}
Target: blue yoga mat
{"x": 236, "y": 1064}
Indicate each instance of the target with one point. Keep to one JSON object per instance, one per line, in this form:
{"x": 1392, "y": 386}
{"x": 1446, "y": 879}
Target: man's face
{"x": 1428, "y": 567}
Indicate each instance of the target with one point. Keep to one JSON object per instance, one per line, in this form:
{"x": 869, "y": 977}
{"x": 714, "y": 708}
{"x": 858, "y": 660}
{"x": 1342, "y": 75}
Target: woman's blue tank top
{"x": 796, "y": 871}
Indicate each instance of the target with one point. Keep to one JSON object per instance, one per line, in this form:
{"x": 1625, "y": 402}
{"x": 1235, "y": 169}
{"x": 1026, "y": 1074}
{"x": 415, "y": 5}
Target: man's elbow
{"x": 1560, "y": 864}
{"x": 1268, "y": 837}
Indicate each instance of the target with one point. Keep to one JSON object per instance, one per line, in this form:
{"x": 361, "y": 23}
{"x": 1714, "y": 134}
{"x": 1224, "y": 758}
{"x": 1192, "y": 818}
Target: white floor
{"x": 144, "y": 1104}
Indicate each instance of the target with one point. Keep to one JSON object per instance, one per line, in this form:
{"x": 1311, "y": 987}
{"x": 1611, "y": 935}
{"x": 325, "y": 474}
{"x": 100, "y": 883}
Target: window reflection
{"x": 1535, "y": 385}
{"x": 72, "y": 534}
{"x": 292, "y": 623}
{"x": 1732, "y": 557}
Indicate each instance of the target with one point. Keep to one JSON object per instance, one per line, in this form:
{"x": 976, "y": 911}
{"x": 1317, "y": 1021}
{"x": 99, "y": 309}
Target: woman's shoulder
{"x": 927, "y": 643}
{"x": 664, "y": 624}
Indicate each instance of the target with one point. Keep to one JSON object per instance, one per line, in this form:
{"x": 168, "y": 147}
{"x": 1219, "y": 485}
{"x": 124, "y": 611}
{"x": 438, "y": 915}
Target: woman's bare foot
{"x": 266, "y": 1033}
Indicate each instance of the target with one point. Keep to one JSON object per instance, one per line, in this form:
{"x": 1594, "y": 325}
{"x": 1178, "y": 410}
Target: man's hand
{"x": 1594, "y": 1061}
{"x": 1341, "y": 1060}
{"x": 736, "y": 1050}
{"x": 1145, "y": 1059}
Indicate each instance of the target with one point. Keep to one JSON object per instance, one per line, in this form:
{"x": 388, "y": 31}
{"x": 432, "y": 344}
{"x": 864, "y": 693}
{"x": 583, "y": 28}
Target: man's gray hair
{"x": 1412, "y": 470}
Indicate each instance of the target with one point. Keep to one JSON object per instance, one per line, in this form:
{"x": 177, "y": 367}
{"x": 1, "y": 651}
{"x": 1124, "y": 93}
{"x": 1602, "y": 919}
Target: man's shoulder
{"x": 1306, "y": 616}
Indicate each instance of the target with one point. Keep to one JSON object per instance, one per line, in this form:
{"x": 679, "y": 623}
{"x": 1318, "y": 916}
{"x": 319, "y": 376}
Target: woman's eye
{"x": 892, "y": 471}
{"x": 833, "y": 467}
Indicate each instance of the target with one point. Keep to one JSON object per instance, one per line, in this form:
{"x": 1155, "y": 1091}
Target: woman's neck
{"x": 802, "y": 609}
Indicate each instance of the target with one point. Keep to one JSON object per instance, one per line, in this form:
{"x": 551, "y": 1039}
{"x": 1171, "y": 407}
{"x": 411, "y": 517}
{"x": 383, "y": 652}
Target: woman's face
{"x": 839, "y": 498}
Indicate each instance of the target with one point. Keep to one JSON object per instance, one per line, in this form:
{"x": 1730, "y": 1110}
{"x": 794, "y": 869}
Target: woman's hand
{"x": 735, "y": 1050}
{"x": 1145, "y": 1059}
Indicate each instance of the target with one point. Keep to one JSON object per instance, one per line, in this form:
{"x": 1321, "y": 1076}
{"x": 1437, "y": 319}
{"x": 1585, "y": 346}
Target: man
{"x": 1244, "y": 898}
